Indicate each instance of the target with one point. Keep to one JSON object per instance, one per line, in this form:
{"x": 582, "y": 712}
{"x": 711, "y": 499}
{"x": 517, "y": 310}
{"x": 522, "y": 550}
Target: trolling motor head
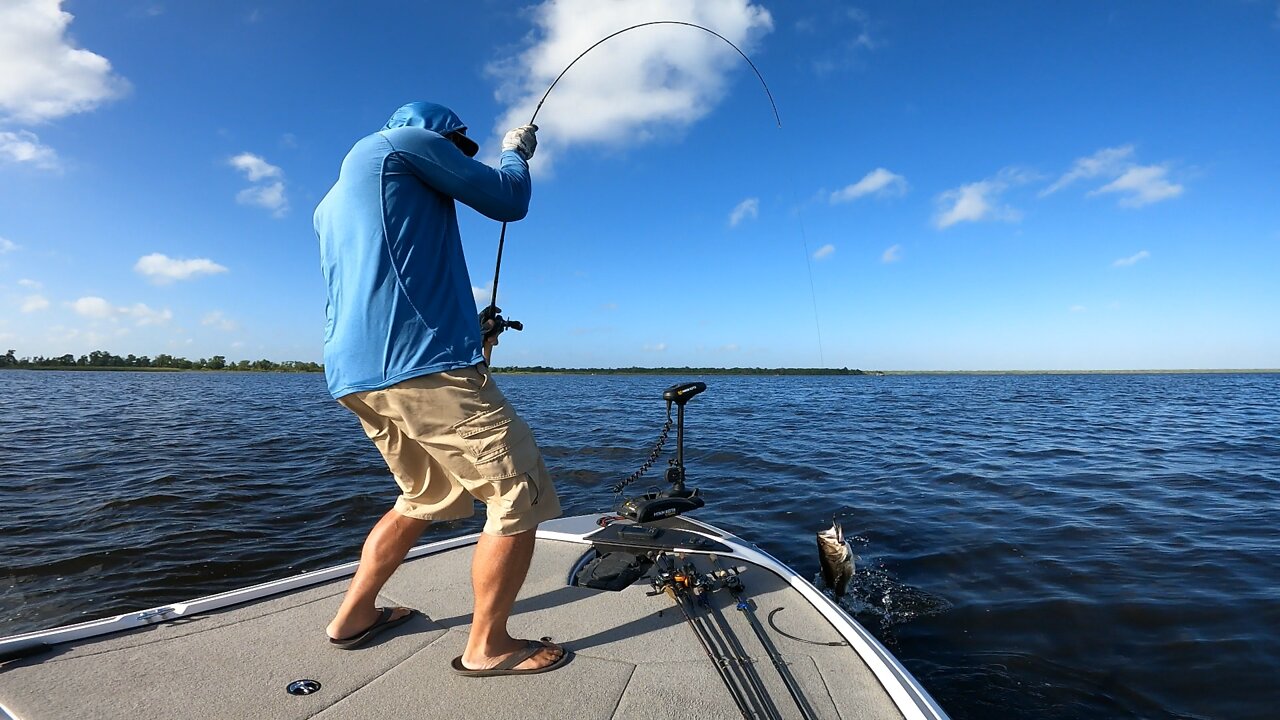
{"x": 678, "y": 499}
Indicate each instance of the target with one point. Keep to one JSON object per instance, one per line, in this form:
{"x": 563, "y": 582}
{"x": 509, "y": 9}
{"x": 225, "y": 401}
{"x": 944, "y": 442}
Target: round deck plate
{"x": 303, "y": 687}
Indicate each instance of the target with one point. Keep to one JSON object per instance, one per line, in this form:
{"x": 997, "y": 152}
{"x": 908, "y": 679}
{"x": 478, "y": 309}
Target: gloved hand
{"x": 522, "y": 139}
{"x": 489, "y": 326}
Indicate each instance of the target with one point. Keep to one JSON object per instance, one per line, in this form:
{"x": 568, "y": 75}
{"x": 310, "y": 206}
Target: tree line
{"x": 104, "y": 359}
{"x": 683, "y": 371}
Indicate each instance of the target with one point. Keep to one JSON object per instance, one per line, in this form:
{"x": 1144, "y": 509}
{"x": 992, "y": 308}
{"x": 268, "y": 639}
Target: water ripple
{"x": 1032, "y": 546}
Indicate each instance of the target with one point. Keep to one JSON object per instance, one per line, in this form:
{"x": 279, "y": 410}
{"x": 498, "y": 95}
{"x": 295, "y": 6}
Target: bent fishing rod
{"x": 490, "y": 315}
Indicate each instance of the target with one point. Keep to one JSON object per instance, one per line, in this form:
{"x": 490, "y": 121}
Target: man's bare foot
{"x": 358, "y": 622}
{"x": 544, "y": 657}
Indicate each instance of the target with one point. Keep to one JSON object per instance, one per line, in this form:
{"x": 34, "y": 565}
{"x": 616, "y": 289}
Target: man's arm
{"x": 490, "y": 342}
{"x": 501, "y": 194}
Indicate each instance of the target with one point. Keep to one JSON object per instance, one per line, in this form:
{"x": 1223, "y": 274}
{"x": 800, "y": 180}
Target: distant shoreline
{"x": 1187, "y": 371}
{"x": 866, "y": 373}
{"x": 766, "y": 372}
{"x": 114, "y": 368}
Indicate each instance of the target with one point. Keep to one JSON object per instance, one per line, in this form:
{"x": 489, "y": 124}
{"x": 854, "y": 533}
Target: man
{"x": 403, "y": 351}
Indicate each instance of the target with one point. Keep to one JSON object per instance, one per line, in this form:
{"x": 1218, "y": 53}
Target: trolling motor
{"x": 678, "y": 499}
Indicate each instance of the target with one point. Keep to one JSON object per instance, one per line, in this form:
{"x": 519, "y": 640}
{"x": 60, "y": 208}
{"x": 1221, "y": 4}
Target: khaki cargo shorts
{"x": 450, "y": 438}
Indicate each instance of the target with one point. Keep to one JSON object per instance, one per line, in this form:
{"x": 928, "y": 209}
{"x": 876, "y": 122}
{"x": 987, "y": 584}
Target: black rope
{"x": 493, "y": 300}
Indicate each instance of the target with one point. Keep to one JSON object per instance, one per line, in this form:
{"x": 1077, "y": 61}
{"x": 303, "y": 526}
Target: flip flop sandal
{"x": 384, "y": 622}
{"x": 507, "y": 666}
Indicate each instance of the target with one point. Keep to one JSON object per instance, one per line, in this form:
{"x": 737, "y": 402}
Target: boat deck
{"x": 634, "y": 656}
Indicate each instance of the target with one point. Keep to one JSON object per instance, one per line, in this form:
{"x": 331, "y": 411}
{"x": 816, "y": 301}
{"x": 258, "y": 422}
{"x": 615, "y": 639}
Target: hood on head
{"x": 436, "y": 118}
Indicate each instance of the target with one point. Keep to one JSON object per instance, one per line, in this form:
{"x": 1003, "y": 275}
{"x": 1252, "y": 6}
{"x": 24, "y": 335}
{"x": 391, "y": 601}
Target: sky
{"x": 1007, "y": 185}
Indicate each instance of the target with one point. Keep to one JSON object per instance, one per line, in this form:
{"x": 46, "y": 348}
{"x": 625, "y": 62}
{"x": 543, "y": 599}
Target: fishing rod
{"x": 688, "y": 589}
{"x": 753, "y": 677}
{"x": 744, "y": 605}
{"x": 492, "y": 322}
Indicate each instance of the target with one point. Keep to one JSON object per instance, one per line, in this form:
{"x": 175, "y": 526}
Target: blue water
{"x": 1032, "y": 546}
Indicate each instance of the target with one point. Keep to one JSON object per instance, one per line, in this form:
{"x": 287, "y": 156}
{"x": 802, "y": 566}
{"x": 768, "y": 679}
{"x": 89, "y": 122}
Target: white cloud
{"x": 25, "y": 147}
{"x": 648, "y": 83}
{"x": 220, "y": 321}
{"x": 824, "y": 252}
{"x": 97, "y": 308}
{"x": 24, "y": 282}
{"x": 1078, "y": 308}
{"x": 967, "y": 203}
{"x": 144, "y": 315}
{"x": 42, "y": 75}
{"x": 255, "y": 167}
{"x": 483, "y": 295}
{"x": 878, "y": 182}
{"x": 93, "y": 307}
{"x": 162, "y": 269}
{"x": 844, "y": 36}
{"x": 980, "y": 200}
{"x": 1142, "y": 186}
{"x": 1137, "y": 185}
{"x": 892, "y": 254}
{"x": 658, "y": 347}
{"x": 749, "y": 208}
{"x": 34, "y": 303}
{"x": 1132, "y": 259}
{"x": 1106, "y": 162}
{"x": 7, "y": 246}
{"x": 269, "y": 195}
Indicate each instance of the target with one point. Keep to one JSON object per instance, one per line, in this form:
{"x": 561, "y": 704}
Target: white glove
{"x": 522, "y": 140}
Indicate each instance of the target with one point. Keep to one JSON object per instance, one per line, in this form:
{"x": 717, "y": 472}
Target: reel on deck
{"x": 678, "y": 499}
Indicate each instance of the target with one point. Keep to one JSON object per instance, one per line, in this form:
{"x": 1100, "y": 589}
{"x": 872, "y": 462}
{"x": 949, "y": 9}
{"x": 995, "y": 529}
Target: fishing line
{"x": 808, "y": 264}
{"x": 502, "y": 236}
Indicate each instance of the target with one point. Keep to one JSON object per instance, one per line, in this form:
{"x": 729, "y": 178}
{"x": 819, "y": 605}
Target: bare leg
{"x": 384, "y": 550}
{"x": 498, "y": 569}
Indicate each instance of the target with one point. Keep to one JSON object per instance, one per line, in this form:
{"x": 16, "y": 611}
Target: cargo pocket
{"x": 522, "y": 495}
{"x": 498, "y": 443}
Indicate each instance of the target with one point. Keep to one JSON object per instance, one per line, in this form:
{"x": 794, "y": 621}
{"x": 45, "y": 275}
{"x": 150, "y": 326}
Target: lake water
{"x": 1032, "y": 546}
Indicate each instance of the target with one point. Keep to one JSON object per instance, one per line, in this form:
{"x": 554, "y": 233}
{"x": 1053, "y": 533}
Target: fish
{"x": 835, "y": 556}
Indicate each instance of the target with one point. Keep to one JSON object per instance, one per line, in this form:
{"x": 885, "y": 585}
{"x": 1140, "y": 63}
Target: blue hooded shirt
{"x": 400, "y": 302}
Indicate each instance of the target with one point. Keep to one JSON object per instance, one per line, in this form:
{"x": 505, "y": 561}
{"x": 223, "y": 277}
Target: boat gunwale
{"x": 903, "y": 687}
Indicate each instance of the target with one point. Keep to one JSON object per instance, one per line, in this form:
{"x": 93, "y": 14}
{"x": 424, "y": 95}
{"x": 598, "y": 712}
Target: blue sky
{"x": 1017, "y": 186}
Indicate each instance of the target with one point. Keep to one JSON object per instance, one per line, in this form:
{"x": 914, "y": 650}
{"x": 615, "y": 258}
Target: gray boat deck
{"x": 634, "y": 657}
